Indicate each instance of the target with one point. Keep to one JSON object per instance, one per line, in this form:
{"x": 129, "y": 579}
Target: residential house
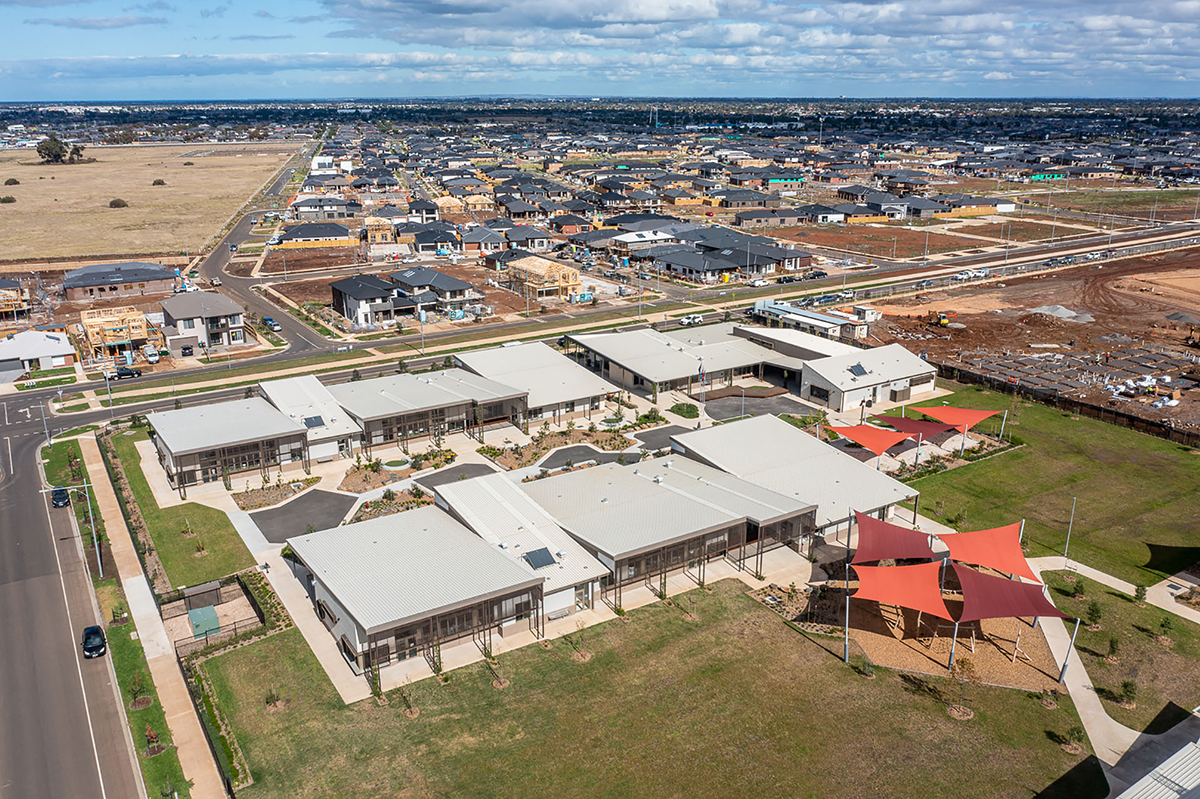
{"x": 205, "y": 318}
{"x": 130, "y": 279}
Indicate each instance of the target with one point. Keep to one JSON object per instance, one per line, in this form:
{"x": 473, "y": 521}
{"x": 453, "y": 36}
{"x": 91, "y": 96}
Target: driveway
{"x": 454, "y": 472}
{"x": 322, "y": 509}
{"x": 731, "y": 407}
{"x": 659, "y": 437}
{"x": 581, "y": 453}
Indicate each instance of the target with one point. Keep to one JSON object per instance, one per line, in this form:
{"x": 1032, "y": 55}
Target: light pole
{"x": 108, "y": 385}
{"x": 1070, "y": 526}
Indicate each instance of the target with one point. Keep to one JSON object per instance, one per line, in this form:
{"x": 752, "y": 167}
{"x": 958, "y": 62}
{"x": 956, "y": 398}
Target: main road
{"x": 62, "y": 731}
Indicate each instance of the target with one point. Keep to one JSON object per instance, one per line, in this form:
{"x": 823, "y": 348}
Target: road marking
{"x": 6, "y": 413}
{"x": 78, "y": 668}
{"x": 10, "y": 461}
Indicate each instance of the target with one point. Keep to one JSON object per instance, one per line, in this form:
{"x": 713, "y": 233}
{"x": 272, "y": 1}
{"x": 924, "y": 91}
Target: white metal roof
{"x": 508, "y": 520}
{"x": 550, "y": 377}
{"x": 399, "y": 394}
{"x": 221, "y": 424}
{"x": 306, "y": 400}
{"x": 797, "y": 342}
{"x": 31, "y": 344}
{"x": 660, "y": 358}
{"x": 882, "y": 365}
{"x": 620, "y": 513}
{"x": 772, "y": 453}
{"x": 1178, "y": 776}
{"x": 719, "y": 489}
{"x": 408, "y": 566}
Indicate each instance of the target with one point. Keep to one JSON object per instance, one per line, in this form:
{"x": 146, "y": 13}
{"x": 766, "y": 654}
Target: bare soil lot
{"x": 62, "y": 210}
{"x": 1165, "y": 204}
{"x": 310, "y": 260}
{"x": 878, "y": 241}
{"x": 1022, "y": 231}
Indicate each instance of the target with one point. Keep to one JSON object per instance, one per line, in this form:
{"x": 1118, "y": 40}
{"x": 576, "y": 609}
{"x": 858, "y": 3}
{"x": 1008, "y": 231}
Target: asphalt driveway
{"x": 731, "y": 407}
{"x": 322, "y": 509}
{"x": 582, "y": 453}
{"x": 659, "y": 437}
{"x": 454, "y": 472}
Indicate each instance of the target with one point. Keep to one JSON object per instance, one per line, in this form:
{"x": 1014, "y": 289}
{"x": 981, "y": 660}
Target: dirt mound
{"x": 1042, "y": 321}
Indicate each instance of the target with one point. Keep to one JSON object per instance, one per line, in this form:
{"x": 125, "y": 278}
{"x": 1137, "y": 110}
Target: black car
{"x": 94, "y": 643}
{"x": 816, "y": 275}
{"x": 185, "y": 350}
{"x": 787, "y": 279}
{"x": 122, "y": 373}
{"x": 60, "y": 497}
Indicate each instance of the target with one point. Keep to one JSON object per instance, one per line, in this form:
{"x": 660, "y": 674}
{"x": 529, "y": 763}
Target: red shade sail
{"x": 880, "y": 540}
{"x": 875, "y": 439}
{"x": 998, "y": 548}
{"x": 915, "y": 427}
{"x": 914, "y": 587}
{"x": 961, "y": 419}
{"x": 986, "y": 596}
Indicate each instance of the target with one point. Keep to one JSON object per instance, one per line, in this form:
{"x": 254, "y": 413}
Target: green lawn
{"x": 1137, "y": 510}
{"x": 226, "y": 552}
{"x": 128, "y": 660}
{"x": 736, "y": 704}
{"x": 59, "y": 473}
{"x": 1164, "y": 674}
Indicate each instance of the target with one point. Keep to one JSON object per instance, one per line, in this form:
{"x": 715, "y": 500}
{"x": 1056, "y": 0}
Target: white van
{"x": 151, "y": 353}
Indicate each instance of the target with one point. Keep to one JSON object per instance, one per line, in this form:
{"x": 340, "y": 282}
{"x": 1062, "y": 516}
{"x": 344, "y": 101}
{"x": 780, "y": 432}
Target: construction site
{"x": 108, "y": 332}
{"x": 1123, "y": 335}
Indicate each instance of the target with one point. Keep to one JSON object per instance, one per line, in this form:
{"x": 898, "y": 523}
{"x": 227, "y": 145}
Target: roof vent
{"x": 503, "y": 545}
{"x": 658, "y": 478}
{"x": 604, "y": 499}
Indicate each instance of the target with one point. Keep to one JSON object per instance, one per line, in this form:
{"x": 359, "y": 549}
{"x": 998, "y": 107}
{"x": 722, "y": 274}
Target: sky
{"x": 57, "y": 50}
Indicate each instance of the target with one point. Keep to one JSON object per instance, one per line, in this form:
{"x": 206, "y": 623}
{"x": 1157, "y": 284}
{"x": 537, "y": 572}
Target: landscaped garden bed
{"x": 272, "y": 494}
{"x": 366, "y": 476}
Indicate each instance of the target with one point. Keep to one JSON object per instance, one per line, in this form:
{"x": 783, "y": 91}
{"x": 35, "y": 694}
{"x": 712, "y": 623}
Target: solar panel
{"x": 857, "y": 370}
{"x": 313, "y": 421}
{"x": 539, "y": 558}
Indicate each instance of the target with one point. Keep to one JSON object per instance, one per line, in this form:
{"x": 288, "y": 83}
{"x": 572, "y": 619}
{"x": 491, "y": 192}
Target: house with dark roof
{"x": 322, "y": 209}
{"x": 129, "y": 279}
{"x": 363, "y": 299}
{"x": 570, "y": 223}
{"x": 424, "y": 210}
{"x": 315, "y": 231}
{"x": 452, "y": 294}
{"x": 529, "y": 238}
{"x": 483, "y": 239}
{"x": 206, "y": 318}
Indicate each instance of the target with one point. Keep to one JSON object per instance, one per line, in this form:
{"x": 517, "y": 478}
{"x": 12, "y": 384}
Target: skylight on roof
{"x": 858, "y": 370}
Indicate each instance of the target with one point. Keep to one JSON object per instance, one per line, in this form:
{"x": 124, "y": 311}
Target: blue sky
{"x": 168, "y": 49}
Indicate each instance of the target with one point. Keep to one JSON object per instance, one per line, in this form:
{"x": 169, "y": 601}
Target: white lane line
{"x": 79, "y": 669}
{"x": 10, "y": 460}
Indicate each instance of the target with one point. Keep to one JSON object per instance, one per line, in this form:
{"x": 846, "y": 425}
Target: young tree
{"x": 1166, "y": 625}
{"x": 1094, "y": 613}
{"x": 1139, "y": 594}
{"x": 1129, "y": 690}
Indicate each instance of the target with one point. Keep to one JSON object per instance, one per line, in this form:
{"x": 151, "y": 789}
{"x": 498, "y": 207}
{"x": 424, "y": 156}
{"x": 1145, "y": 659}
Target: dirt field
{"x": 1022, "y": 231}
{"x": 877, "y": 241}
{"x": 1129, "y": 301}
{"x": 310, "y": 260}
{"x": 62, "y": 210}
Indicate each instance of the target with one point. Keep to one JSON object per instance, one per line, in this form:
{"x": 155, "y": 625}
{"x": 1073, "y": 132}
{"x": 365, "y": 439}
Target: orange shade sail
{"x": 914, "y": 587}
{"x": 998, "y": 548}
{"x": 961, "y": 419}
{"x": 880, "y": 540}
{"x": 986, "y": 596}
{"x": 915, "y": 427}
{"x": 873, "y": 438}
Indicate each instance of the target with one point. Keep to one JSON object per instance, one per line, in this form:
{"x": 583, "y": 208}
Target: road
{"x": 60, "y": 720}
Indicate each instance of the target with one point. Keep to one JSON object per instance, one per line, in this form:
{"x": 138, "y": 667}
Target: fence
{"x": 1054, "y": 399}
{"x": 190, "y": 646}
{"x": 113, "y": 474}
{"x": 207, "y": 723}
{"x": 199, "y": 597}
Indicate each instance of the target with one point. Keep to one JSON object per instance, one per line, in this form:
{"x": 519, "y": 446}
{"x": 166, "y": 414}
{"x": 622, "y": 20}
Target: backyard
{"x": 195, "y": 543}
{"x": 1136, "y": 512}
{"x": 733, "y": 703}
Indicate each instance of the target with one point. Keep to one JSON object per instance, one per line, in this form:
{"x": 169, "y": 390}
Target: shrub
{"x": 1114, "y": 646}
{"x": 159, "y": 182}
{"x": 685, "y": 409}
{"x": 1129, "y": 691}
{"x": 12, "y": 182}
{"x": 389, "y": 494}
{"x": 1080, "y": 588}
{"x": 117, "y": 202}
{"x": 1076, "y": 734}
{"x": 1094, "y": 613}
{"x": 8, "y": 198}
{"x": 1139, "y": 593}
{"x": 1166, "y": 625}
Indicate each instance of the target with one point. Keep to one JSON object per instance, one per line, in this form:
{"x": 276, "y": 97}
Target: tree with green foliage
{"x": 1129, "y": 691}
{"x": 1166, "y": 625}
{"x": 12, "y": 182}
{"x": 1139, "y": 594}
{"x": 52, "y": 151}
{"x": 1094, "y": 613}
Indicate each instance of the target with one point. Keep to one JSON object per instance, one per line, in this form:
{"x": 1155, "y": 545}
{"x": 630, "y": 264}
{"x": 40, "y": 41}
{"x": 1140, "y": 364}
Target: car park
{"x": 93, "y": 642}
{"x": 60, "y": 497}
{"x": 122, "y": 373}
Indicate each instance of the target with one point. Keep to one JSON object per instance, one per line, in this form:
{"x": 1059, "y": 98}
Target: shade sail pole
{"x": 953, "y": 644}
{"x": 847, "y": 647}
{"x": 1070, "y": 527}
{"x": 917, "y": 460}
{"x": 1021, "y": 533}
{"x": 1003, "y": 422}
{"x": 1062, "y": 675}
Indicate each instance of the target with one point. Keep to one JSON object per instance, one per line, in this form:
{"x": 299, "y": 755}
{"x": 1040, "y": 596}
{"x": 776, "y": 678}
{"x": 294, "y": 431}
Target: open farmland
{"x": 61, "y": 210}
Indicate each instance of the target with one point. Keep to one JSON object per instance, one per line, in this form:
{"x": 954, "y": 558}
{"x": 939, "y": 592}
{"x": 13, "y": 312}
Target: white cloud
{"x": 998, "y": 76}
{"x": 99, "y": 23}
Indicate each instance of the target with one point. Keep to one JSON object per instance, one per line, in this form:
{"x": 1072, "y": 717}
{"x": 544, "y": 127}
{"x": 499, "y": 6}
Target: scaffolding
{"x": 14, "y": 303}
{"x": 535, "y": 278}
{"x": 109, "y": 331}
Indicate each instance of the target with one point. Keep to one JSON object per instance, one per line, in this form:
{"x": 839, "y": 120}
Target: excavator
{"x": 940, "y": 318}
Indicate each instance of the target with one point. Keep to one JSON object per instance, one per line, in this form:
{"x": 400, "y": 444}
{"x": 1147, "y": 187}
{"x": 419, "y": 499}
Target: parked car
{"x": 965, "y": 274}
{"x": 94, "y": 643}
{"x": 645, "y": 276}
{"x": 60, "y": 497}
{"x": 267, "y": 321}
{"x": 788, "y": 279}
{"x": 691, "y": 319}
{"x": 816, "y": 274}
{"x": 846, "y": 294}
{"x": 759, "y": 283}
{"x": 216, "y": 281}
{"x": 275, "y": 327}
{"x": 982, "y": 272}
{"x": 186, "y": 350}
{"x": 275, "y": 240}
{"x": 924, "y": 284}
{"x": 233, "y": 246}
{"x": 121, "y": 373}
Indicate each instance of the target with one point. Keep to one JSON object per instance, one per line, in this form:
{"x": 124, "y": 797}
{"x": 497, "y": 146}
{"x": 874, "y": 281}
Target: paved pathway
{"x": 186, "y": 733}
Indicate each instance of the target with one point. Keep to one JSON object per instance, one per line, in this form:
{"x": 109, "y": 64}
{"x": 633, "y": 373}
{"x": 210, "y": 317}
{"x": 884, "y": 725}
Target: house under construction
{"x": 14, "y": 301}
{"x": 537, "y": 278}
{"x": 110, "y": 331}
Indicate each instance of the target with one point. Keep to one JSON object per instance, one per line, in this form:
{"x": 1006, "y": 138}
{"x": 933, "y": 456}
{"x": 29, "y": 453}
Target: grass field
{"x": 734, "y": 704}
{"x": 128, "y": 660}
{"x": 1168, "y": 677}
{"x": 62, "y": 210}
{"x": 1171, "y": 203}
{"x": 872, "y": 241}
{"x": 58, "y": 473}
{"x": 226, "y": 552}
{"x": 238, "y": 372}
{"x": 1022, "y": 231}
{"x": 1137, "y": 511}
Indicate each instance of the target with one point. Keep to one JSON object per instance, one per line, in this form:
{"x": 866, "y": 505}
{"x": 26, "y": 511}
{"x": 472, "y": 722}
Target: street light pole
{"x": 108, "y": 385}
{"x": 1070, "y": 526}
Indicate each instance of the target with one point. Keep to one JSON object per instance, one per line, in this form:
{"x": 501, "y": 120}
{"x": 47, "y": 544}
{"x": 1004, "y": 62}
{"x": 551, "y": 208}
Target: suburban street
{"x": 60, "y": 715}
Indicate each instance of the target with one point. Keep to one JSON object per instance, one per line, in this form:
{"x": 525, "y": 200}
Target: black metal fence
{"x": 1072, "y": 405}
{"x": 207, "y": 723}
{"x": 190, "y": 646}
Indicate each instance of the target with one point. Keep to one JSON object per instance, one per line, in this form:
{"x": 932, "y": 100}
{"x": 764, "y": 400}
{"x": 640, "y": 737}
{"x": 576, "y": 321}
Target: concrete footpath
{"x": 186, "y": 732}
